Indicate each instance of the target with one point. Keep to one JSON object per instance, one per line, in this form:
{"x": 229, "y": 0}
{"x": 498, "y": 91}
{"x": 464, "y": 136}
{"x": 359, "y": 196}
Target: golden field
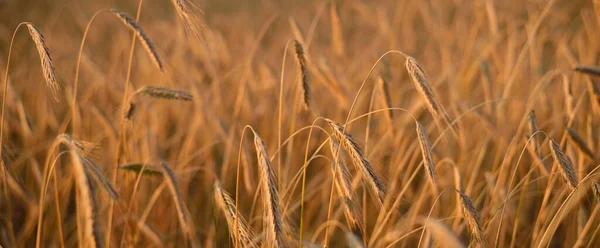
{"x": 194, "y": 123}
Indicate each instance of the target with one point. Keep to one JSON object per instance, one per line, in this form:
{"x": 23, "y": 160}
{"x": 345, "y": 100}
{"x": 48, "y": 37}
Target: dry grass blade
{"x": 533, "y": 127}
{"x": 359, "y": 160}
{"x": 569, "y": 101}
{"x": 580, "y": 143}
{"x": 343, "y": 185}
{"x": 386, "y": 100}
{"x": 419, "y": 79}
{"x": 45, "y": 58}
{"x": 585, "y": 69}
{"x": 471, "y": 214}
{"x": 441, "y": 232}
{"x": 565, "y": 164}
{"x": 270, "y": 196}
{"x": 301, "y": 60}
{"x": 173, "y": 185}
{"x": 428, "y": 162}
{"x": 138, "y": 167}
{"x": 227, "y": 205}
{"x": 296, "y": 30}
{"x": 142, "y": 36}
{"x": 337, "y": 40}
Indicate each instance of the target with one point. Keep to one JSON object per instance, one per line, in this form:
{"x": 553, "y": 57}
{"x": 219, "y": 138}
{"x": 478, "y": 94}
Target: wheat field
{"x": 300, "y": 123}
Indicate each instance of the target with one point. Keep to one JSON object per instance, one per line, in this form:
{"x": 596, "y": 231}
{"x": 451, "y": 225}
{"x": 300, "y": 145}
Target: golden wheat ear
{"x": 428, "y": 162}
{"x": 565, "y": 166}
{"x": 421, "y": 83}
{"x": 343, "y": 185}
{"x": 270, "y": 196}
{"x": 227, "y": 206}
{"x": 301, "y": 60}
{"x": 159, "y": 93}
{"x": 471, "y": 215}
{"x": 359, "y": 160}
{"x": 45, "y": 58}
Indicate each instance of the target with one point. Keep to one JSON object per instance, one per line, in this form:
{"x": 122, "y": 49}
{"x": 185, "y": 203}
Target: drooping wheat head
{"x": 270, "y": 196}
{"x": 359, "y": 160}
{"x": 227, "y": 205}
{"x": 565, "y": 166}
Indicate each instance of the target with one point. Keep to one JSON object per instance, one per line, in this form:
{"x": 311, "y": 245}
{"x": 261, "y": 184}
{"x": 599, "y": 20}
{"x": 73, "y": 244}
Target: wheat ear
{"x": 227, "y": 205}
{"x": 359, "y": 160}
{"x": 471, "y": 214}
{"x": 270, "y": 196}
{"x": 565, "y": 164}
{"x": 301, "y": 61}
{"x": 428, "y": 162}
{"x": 45, "y": 58}
{"x": 142, "y": 36}
{"x": 343, "y": 183}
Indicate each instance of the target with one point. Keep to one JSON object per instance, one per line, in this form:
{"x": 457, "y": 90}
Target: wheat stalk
{"x": 359, "y": 160}
{"x": 142, "y": 36}
{"x": 227, "y": 205}
{"x": 428, "y": 162}
{"x": 45, "y": 58}
{"x": 471, "y": 214}
{"x": 301, "y": 60}
{"x": 270, "y": 196}
{"x": 565, "y": 164}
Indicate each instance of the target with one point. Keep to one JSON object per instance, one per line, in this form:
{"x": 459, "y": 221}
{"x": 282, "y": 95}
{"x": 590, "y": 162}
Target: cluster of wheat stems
{"x": 453, "y": 158}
